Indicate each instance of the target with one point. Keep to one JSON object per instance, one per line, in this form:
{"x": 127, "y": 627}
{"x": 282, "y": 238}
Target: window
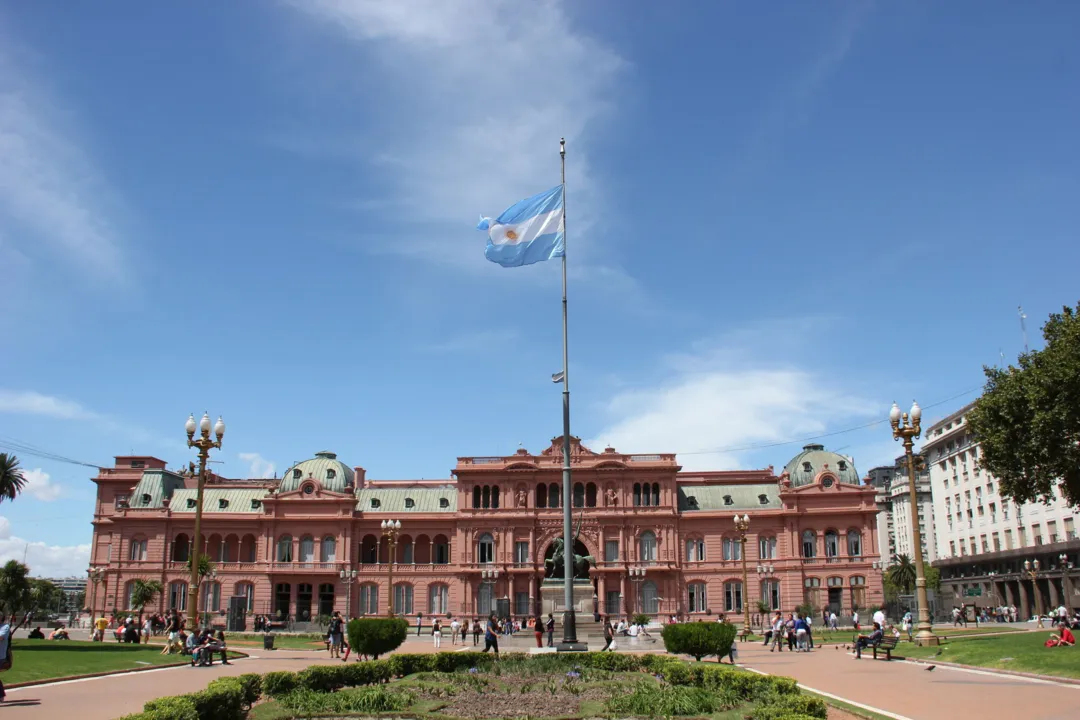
{"x": 485, "y": 549}
{"x": 732, "y": 549}
{"x": 555, "y": 495}
{"x": 210, "y": 600}
{"x": 246, "y": 591}
{"x": 403, "y": 599}
{"x": 521, "y": 603}
{"x": 827, "y": 481}
{"x": 770, "y": 593}
{"x": 222, "y": 503}
{"x": 728, "y": 500}
{"x": 256, "y": 504}
{"x": 136, "y": 464}
{"x": 854, "y": 543}
{"x": 442, "y": 551}
{"x": 138, "y": 550}
{"x": 733, "y": 596}
{"x": 444, "y": 503}
{"x": 190, "y": 503}
{"x": 696, "y": 599}
{"x": 637, "y": 494}
{"x": 647, "y": 547}
{"x": 767, "y": 548}
{"x": 611, "y": 550}
{"x": 590, "y": 495}
{"x": 807, "y": 467}
{"x": 476, "y": 497}
{"x": 832, "y": 544}
{"x": 695, "y": 550}
{"x": 146, "y": 499}
{"x": 408, "y": 552}
{"x": 369, "y": 599}
{"x": 438, "y": 599}
{"x": 579, "y": 495}
{"x": 180, "y": 547}
{"x": 809, "y": 544}
{"x": 178, "y": 596}
{"x": 307, "y": 549}
{"x": 656, "y": 494}
{"x": 284, "y": 548}
{"x": 328, "y": 549}
{"x": 521, "y": 552}
{"x": 375, "y": 504}
{"x": 297, "y": 474}
{"x": 330, "y": 474}
{"x": 763, "y": 499}
{"x": 409, "y": 504}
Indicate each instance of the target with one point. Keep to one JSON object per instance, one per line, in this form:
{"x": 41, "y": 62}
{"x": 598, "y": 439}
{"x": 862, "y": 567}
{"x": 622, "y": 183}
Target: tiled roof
{"x": 155, "y": 486}
{"x": 743, "y": 497}
{"x": 238, "y": 501}
{"x": 424, "y": 499}
{"x": 316, "y": 468}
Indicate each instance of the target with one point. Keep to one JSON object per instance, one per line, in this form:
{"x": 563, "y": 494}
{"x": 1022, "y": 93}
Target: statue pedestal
{"x": 552, "y": 598}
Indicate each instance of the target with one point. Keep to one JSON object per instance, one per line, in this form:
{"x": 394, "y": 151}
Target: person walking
{"x": 491, "y": 635}
{"x": 609, "y": 634}
{"x": 455, "y": 627}
{"x": 475, "y": 632}
{"x": 336, "y": 632}
{"x": 436, "y": 633}
{"x": 419, "y": 623}
{"x": 551, "y": 630}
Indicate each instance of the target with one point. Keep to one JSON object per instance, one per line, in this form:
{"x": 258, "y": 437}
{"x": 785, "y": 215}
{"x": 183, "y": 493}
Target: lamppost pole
{"x": 95, "y": 578}
{"x": 490, "y": 578}
{"x": 349, "y": 576}
{"x": 637, "y": 577}
{"x": 765, "y": 574}
{"x": 907, "y": 427}
{"x": 742, "y": 524}
{"x": 1031, "y": 569}
{"x": 204, "y": 445}
{"x": 1066, "y": 589}
{"x": 390, "y": 530}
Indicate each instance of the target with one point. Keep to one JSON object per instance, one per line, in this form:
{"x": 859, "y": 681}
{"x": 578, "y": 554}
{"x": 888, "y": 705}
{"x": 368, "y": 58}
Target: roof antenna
{"x": 1023, "y": 325}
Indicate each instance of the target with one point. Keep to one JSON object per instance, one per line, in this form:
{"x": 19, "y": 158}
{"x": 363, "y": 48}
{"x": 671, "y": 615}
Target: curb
{"x": 67, "y": 678}
{"x": 996, "y": 671}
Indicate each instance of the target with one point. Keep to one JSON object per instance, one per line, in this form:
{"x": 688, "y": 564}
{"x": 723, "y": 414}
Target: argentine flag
{"x": 528, "y": 232}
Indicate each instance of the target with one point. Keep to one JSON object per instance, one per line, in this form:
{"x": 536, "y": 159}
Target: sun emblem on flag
{"x": 511, "y": 235}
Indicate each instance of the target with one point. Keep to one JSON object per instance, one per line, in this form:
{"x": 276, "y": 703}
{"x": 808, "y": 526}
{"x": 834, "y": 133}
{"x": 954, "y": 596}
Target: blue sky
{"x": 781, "y": 217}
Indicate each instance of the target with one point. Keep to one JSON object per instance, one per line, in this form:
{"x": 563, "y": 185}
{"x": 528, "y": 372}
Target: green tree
{"x": 143, "y": 592}
{"x": 902, "y": 574}
{"x": 12, "y": 480}
{"x": 14, "y": 589}
{"x": 1027, "y": 422}
{"x": 44, "y": 596}
{"x": 206, "y": 568}
{"x": 933, "y": 577}
{"x": 699, "y": 639}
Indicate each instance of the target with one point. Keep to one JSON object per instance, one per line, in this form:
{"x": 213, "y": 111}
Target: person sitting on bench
{"x": 870, "y": 640}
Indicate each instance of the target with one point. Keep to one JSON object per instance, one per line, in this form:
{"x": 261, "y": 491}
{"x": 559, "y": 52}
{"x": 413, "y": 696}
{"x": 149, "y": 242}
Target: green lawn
{"x": 1023, "y": 652}
{"x": 44, "y": 659}
{"x": 284, "y": 642}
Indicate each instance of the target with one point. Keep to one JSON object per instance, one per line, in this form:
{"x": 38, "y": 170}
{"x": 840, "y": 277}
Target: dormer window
{"x": 330, "y": 474}
{"x": 256, "y": 504}
{"x": 444, "y": 503}
{"x": 222, "y": 503}
{"x": 409, "y": 504}
{"x": 728, "y": 500}
{"x": 375, "y": 503}
{"x": 807, "y": 467}
{"x": 763, "y": 499}
{"x": 297, "y": 474}
{"x": 190, "y": 503}
{"x": 146, "y": 498}
{"x": 842, "y": 465}
{"x": 138, "y": 464}
{"x": 691, "y": 501}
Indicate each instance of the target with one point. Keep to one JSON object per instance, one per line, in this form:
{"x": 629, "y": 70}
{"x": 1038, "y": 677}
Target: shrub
{"x": 699, "y": 639}
{"x": 784, "y": 707}
{"x": 377, "y": 636}
{"x": 641, "y": 619}
{"x": 371, "y": 672}
{"x": 223, "y": 699}
{"x": 323, "y": 678}
{"x": 179, "y": 707}
{"x": 279, "y": 683}
{"x": 361, "y": 700}
{"x": 402, "y": 665}
{"x": 651, "y": 700}
{"x": 251, "y": 683}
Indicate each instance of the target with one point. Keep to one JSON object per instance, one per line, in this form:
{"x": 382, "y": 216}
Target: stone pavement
{"x": 908, "y": 691}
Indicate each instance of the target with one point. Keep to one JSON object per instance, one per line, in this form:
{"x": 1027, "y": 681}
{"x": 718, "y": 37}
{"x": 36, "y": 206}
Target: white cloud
{"x": 48, "y": 186}
{"x": 477, "y": 94}
{"x": 713, "y": 399}
{"x": 44, "y": 560}
{"x": 260, "y": 467}
{"x": 29, "y": 402}
{"x": 40, "y": 485}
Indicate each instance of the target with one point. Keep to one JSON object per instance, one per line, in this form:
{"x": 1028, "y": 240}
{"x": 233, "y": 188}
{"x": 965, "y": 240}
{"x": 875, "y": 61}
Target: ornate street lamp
{"x": 637, "y": 577}
{"x": 390, "y": 529}
{"x": 765, "y": 574}
{"x": 204, "y": 445}
{"x": 490, "y": 578}
{"x": 1031, "y": 569}
{"x": 95, "y": 577}
{"x": 348, "y": 577}
{"x": 742, "y": 524}
{"x": 907, "y": 427}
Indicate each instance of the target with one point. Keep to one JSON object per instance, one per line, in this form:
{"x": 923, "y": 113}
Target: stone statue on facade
{"x": 522, "y": 498}
{"x": 612, "y": 497}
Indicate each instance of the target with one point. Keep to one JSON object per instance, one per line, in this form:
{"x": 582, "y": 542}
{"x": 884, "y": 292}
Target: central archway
{"x": 579, "y": 549}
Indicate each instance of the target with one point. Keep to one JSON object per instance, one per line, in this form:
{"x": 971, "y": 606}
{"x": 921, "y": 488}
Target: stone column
{"x": 1025, "y": 602}
{"x": 622, "y": 595}
{"x": 1055, "y": 598}
{"x": 600, "y": 550}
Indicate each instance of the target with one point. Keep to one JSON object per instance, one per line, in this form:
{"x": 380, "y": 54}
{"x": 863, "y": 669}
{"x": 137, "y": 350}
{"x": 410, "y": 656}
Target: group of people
{"x": 795, "y": 632}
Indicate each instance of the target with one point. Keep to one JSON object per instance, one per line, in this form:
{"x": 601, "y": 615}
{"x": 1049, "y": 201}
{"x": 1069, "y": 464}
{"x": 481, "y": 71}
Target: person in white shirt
{"x": 879, "y": 617}
{"x": 833, "y": 622}
{"x": 455, "y": 628}
{"x": 855, "y": 620}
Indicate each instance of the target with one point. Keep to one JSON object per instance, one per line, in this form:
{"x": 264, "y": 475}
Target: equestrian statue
{"x": 556, "y": 563}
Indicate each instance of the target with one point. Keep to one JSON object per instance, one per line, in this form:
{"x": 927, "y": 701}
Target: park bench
{"x": 887, "y": 644}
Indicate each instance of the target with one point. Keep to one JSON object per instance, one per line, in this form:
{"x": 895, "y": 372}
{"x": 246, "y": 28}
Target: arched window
{"x": 485, "y": 497}
{"x": 590, "y": 495}
{"x": 284, "y": 548}
{"x": 248, "y": 549}
{"x": 770, "y": 593}
{"x": 307, "y": 549}
{"x": 282, "y": 600}
{"x": 696, "y": 597}
{"x": 854, "y": 543}
{"x": 438, "y": 599}
{"x": 403, "y": 599}
{"x": 495, "y": 497}
{"x": 656, "y": 493}
{"x": 138, "y": 550}
{"x": 180, "y": 547}
{"x": 650, "y": 598}
{"x": 442, "y": 551}
{"x": 369, "y": 599}
{"x": 476, "y": 497}
{"x": 732, "y": 549}
{"x": 485, "y": 549}
{"x": 129, "y": 595}
{"x": 406, "y": 554}
{"x": 326, "y": 599}
{"x": 695, "y": 550}
{"x": 812, "y": 591}
{"x": 369, "y": 550}
{"x": 767, "y": 548}
{"x": 541, "y": 495}
{"x": 210, "y": 600}
{"x": 637, "y": 494}
{"x": 733, "y": 596}
{"x": 554, "y": 495}
{"x": 328, "y": 551}
{"x": 178, "y": 596}
{"x": 647, "y": 547}
{"x": 832, "y": 544}
{"x": 247, "y": 591}
{"x": 579, "y": 495}
{"x": 809, "y": 544}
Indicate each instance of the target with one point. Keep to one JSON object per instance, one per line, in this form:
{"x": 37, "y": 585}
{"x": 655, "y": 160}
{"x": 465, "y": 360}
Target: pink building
{"x": 664, "y": 541}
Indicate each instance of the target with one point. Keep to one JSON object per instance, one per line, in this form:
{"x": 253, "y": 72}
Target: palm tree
{"x": 12, "y": 479}
{"x": 902, "y": 573}
{"x": 143, "y": 593}
{"x": 14, "y": 589}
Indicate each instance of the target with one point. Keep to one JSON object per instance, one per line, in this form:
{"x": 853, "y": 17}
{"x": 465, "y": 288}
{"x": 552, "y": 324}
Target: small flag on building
{"x": 558, "y": 377}
{"x": 528, "y": 232}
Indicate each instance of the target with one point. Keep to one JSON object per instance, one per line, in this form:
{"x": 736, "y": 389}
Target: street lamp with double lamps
{"x": 637, "y": 577}
{"x": 1031, "y": 569}
{"x": 907, "y": 426}
{"x": 742, "y": 524}
{"x": 390, "y": 529}
{"x": 348, "y": 577}
{"x": 490, "y": 578}
{"x": 204, "y": 444}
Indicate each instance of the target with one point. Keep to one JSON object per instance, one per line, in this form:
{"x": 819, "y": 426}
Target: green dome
{"x": 333, "y": 474}
{"x": 805, "y": 466}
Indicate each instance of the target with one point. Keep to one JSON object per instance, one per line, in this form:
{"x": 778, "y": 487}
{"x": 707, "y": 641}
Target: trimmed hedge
{"x": 699, "y": 639}
{"x": 377, "y": 636}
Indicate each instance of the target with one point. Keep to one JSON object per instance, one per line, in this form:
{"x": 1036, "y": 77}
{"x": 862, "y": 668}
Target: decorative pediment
{"x": 577, "y": 450}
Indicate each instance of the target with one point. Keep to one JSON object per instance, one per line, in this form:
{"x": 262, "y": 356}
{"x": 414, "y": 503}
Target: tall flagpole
{"x": 569, "y": 641}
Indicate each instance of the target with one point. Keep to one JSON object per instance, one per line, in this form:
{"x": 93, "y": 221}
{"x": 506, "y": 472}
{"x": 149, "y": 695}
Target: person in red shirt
{"x": 1064, "y": 638}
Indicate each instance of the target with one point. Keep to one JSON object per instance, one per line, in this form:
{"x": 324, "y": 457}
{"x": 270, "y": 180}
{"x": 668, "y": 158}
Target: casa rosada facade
{"x": 312, "y": 542}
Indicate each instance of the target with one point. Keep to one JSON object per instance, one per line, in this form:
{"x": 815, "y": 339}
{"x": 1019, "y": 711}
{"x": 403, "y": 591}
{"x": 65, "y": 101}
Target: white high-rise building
{"x": 894, "y": 511}
{"x": 983, "y": 538}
